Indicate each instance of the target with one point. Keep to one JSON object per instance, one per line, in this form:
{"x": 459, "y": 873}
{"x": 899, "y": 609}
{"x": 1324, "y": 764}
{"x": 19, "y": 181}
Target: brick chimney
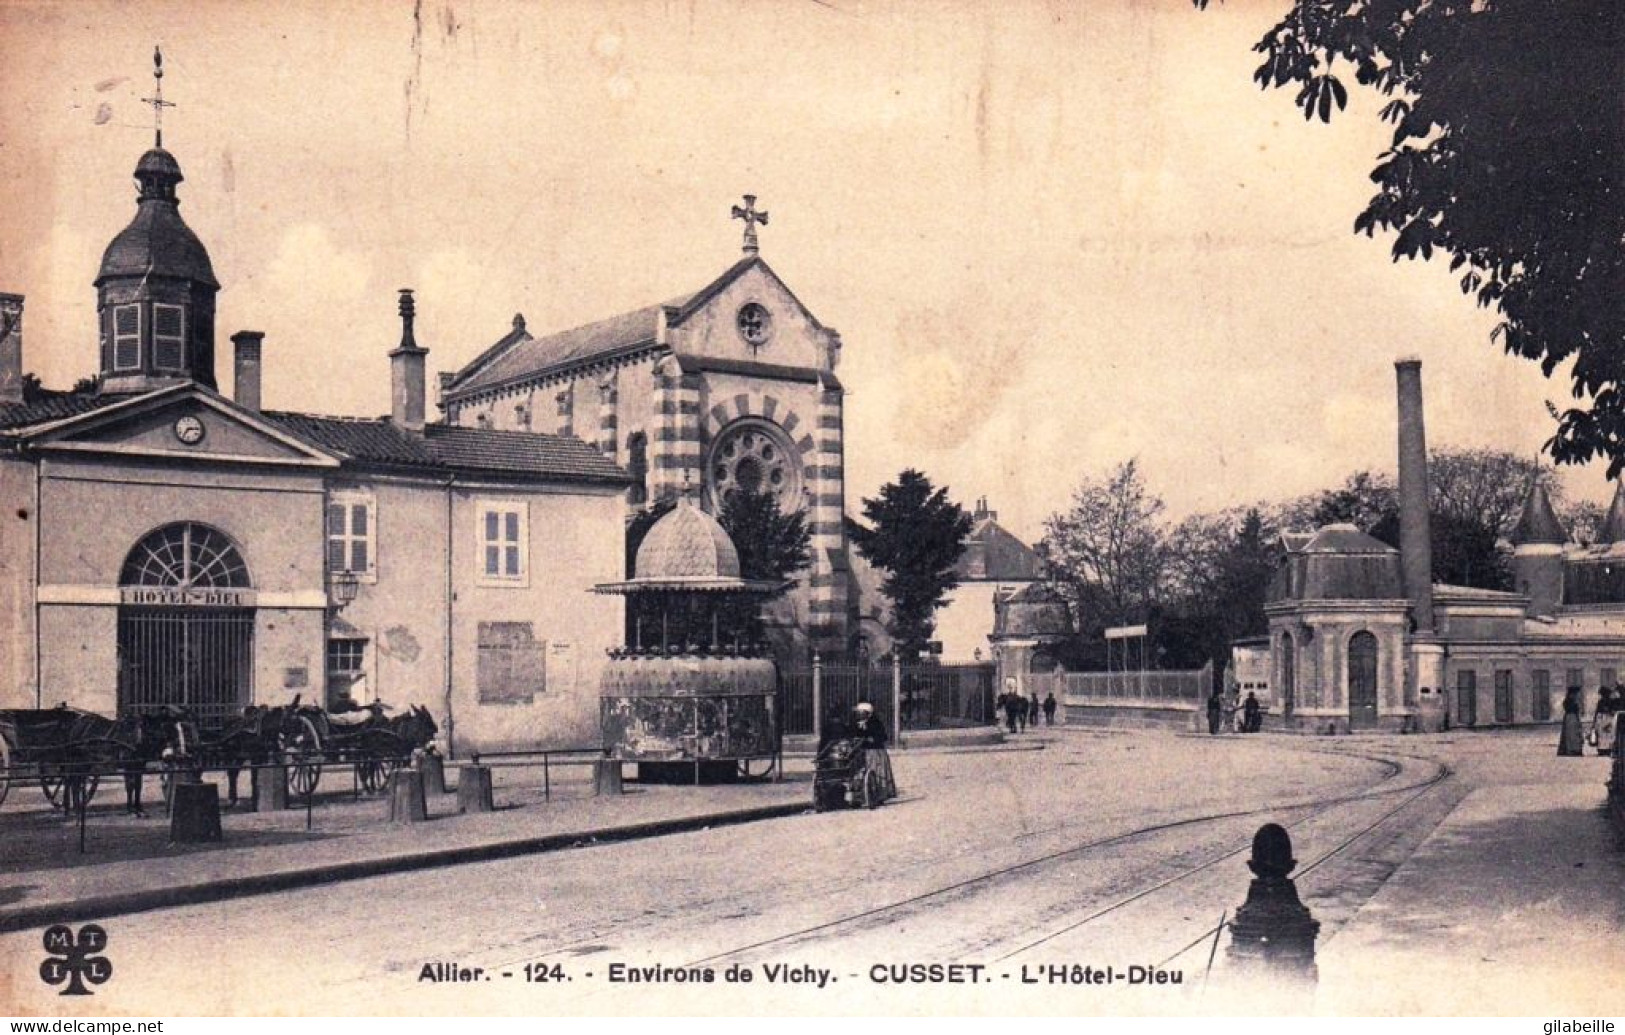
{"x": 11, "y": 349}
{"x": 1415, "y": 533}
{"x": 245, "y": 383}
{"x": 407, "y": 369}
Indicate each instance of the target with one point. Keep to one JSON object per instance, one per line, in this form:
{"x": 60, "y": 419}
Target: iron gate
{"x": 196, "y": 658}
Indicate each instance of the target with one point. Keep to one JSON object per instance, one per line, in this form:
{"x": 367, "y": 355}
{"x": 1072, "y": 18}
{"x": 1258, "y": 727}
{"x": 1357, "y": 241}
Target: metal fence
{"x": 1181, "y": 687}
{"x": 926, "y": 696}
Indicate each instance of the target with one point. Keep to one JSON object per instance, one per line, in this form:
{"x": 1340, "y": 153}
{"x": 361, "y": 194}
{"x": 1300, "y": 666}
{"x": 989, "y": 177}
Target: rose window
{"x": 755, "y": 457}
{"x": 755, "y": 324}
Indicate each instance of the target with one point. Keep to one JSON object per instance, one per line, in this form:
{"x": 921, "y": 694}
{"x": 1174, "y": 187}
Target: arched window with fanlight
{"x": 186, "y": 556}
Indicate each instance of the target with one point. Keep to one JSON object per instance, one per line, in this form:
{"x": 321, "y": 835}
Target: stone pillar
{"x": 1415, "y": 539}
{"x": 608, "y": 418}
{"x": 474, "y": 789}
{"x": 270, "y": 788}
{"x": 407, "y": 802}
{"x": 825, "y": 466}
{"x": 194, "y": 814}
{"x": 434, "y": 772}
{"x": 1427, "y": 664}
{"x": 606, "y": 777}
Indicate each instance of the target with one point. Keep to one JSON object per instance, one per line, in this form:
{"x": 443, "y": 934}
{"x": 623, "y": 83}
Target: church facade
{"x": 732, "y": 385}
{"x": 164, "y": 544}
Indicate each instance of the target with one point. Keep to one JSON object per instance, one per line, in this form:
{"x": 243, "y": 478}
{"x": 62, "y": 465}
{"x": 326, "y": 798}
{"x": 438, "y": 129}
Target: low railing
{"x": 516, "y": 760}
{"x": 1157, "y": 688}
{"x": 905, "y": 697}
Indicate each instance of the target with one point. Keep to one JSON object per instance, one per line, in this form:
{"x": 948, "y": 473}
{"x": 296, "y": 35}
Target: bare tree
{"x": 1110, "y": 547}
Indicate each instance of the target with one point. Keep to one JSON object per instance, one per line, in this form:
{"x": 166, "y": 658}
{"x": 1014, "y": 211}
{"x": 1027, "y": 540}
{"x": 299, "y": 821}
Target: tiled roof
{"x": 47, "y": 406}
{"x": 533, "y": 355}
{"x": 452, "y": 449}
{"x": 527, "y": 357}
{"x": 993, "y": 554}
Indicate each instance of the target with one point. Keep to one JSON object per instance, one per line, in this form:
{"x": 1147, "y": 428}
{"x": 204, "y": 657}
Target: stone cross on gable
{"x": 751, "y": 217}
{"x": 157, "y": 99}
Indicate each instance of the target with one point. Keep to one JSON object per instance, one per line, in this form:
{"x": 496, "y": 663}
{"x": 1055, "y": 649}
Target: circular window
{"x": 755, "y": 456}
{"x": 755, "y": 324}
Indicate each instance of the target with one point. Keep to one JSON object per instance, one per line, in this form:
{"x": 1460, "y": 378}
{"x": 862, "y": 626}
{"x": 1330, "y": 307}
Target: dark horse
{"x": 258, "y": 736}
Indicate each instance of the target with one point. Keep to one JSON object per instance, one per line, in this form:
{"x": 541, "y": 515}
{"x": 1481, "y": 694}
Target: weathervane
{"x": 751, "y": 218}
{"x": 157, "y": 99}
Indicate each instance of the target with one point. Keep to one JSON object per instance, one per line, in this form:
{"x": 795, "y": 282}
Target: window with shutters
{"x": 503, "y": 546}
{"x": 127, "y": 337}
{"x": 1541, "y": 706}
{"x": 169, "y": 337}
{"x": 352, "y": 535}
{"x": 511, "y": 665}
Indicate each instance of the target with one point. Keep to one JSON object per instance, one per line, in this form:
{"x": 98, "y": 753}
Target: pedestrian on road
{"x": 1049, "y": 708}
{"x": 1215, "y": 712}
{"x": 1007, "y": 703}
{"x": 1251, "y": 720}
{"x": 1571, "y": 742}
{"x": 1021, "y": 711}
{"x": 1032, "y": 709}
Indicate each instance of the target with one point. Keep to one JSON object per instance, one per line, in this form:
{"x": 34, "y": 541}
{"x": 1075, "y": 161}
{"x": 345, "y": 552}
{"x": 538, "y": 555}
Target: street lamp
{"x": 342, "y": 589}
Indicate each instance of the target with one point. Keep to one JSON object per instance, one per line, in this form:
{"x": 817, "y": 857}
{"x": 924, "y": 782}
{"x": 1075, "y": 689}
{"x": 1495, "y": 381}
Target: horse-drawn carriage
{"x": 304, "y": 738}
{"x": 65, "y": 748}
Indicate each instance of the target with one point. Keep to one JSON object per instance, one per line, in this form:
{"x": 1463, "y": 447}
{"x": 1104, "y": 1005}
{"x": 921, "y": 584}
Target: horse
{"x": 129, "y": 742}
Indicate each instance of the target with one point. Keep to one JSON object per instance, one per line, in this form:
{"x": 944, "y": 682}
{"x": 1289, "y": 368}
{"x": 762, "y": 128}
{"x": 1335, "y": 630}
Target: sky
{"x": 1053, "y": 236}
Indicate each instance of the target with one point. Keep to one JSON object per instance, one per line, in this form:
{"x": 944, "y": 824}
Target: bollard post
{"x": 1272, "y": 938}
{"x": 474, "y": 789}
{"x": 818, "y": 698}
{"x": 406, "y": 799}
{"x": 270, "y": 787}
{"x": 607, "y": 777}
{"x": 434, "y": 773}
{"x": 196, "y": 814}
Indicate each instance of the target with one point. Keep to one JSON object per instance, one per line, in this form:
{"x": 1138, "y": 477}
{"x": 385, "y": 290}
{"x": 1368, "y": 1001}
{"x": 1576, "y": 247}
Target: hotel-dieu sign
{"x": 186, "y": 596}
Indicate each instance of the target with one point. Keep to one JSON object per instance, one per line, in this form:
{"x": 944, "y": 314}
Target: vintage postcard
{"x": 818, "y": 508}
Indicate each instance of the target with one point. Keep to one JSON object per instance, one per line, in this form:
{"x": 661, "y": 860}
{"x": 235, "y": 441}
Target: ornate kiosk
{"x": 688, "y": 698}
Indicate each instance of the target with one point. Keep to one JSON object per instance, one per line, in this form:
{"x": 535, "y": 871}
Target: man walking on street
{"x": 1049, "y": 709}
{"x": 1215, "y": 712}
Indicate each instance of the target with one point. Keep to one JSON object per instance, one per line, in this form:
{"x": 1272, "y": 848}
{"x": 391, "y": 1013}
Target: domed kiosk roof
{"x": 687, "y": 549}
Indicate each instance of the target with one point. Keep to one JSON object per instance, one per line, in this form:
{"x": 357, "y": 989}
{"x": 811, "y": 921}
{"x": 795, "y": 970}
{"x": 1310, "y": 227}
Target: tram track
{"x": 593, "y": 942}
{"x": 1317, "y": 808}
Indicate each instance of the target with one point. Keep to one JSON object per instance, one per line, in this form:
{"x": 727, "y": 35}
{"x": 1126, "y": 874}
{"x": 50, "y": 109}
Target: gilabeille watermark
{"x": 1559, "y": 1027}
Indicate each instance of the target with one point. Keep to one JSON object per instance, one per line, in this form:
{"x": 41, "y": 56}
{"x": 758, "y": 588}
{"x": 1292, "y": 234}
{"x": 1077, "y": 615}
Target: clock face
{"x": 189, "y": 430}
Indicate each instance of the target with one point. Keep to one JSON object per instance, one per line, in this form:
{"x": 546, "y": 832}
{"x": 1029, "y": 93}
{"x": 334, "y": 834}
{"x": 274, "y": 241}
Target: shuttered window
{"x": 350, "y": 534}
{"x": 127, "y": 337}
{"x": 503, "y": 539}
{"x": 169, "y": 336}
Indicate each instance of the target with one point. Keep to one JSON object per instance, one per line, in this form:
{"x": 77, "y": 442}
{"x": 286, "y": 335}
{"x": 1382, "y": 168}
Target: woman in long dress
{"x": 1572, "y": 742}
{"x": 1604, "y": 719}
{"x": 867, "y": 725}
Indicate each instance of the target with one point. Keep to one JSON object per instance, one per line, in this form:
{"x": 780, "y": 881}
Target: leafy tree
{"x": 915, "y": 535}
{"x": 1583, "y": 519}
{"x": 1506, "y": 155}
{"x": 1109, "y": 546}
{"x": 1486, "y": 487}
{"x": 773, "y": 546}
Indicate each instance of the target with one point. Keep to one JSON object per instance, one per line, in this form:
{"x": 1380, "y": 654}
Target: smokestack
{"x": 406, "y": 371}
{"x": 245, "y": 382}
{"x": 1415, "y": 539}
{"x": 11, "y": 349}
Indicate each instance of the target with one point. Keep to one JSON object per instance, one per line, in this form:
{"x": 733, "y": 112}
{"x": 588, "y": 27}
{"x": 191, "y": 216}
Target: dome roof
{"x": 1032, "y": 612}
{"x": 1338, "y": 562}
{"x": 687, "y": 544}
{"x": 157, "y": 243}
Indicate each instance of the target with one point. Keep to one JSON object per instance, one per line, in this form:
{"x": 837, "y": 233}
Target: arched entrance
{"x": 1362, "y": 681}
{"x": 185, "y": 624}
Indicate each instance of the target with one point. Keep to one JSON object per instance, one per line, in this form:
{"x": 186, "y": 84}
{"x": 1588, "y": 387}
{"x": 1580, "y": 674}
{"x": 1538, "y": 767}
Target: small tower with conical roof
{"x": 1537, "y": 552}
{"x": 155, "y": 292}
{"x": 1612, "y": 532}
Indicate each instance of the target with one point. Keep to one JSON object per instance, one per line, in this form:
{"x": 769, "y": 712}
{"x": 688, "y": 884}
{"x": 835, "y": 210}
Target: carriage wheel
{"x": 53, "y": 783}
{"x": 303, "y": 759}
{"x": 872, "y": 789}
{"x": 756, "y": 768}
{"x": 374, "y": 773}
